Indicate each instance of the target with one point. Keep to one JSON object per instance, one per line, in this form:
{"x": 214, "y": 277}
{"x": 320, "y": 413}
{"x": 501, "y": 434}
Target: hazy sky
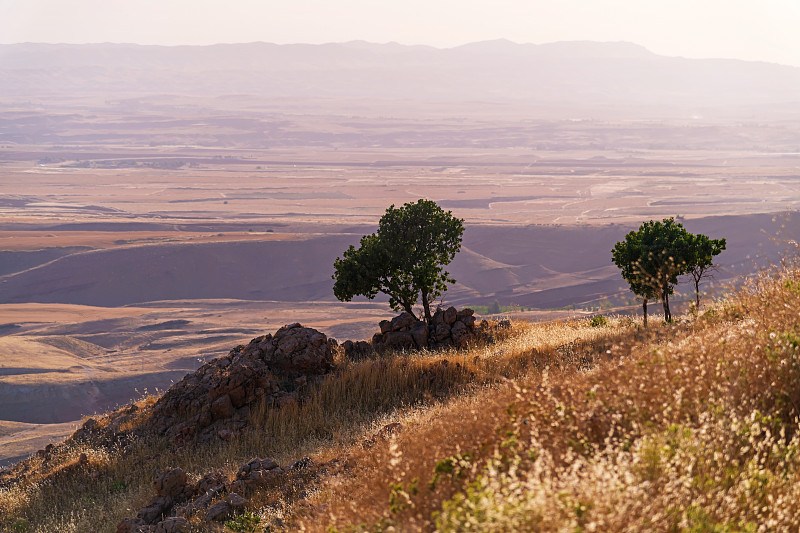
{"x": 766, "y": 30}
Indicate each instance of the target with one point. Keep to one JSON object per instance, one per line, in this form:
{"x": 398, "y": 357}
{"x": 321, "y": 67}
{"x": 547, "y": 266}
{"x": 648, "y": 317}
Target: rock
{"x": 464, "y": 313}
{"x": 218, "y": 512}
{"x": 441, "y": 332}
{"x": 468, "y": 321}
{"x": 236, "y": 501}
{"x": 130, "y": 525}
{"x": 300, "y": 464}
{"x": 399, "y": 340}
{"x": 255, "y": 465}
{"x": 301, "y": 350}
{"x": 217, "y": 398}
{"x": 174, "y": 524}
{"x": 357, "y": 351}
{"x": 202, "y": 501}
{"x": 171, "y": 482}
{"x": 460, "y": 334}
{"x": 420, "y": 335}
{"x": 238, "y": 396}
{"x": 222, "y": 408}
{"x": 240, "y": 487}
{"x": 157, "y": 508}
{"x": 212, "y": 480}
{"x": 402, "y": 322}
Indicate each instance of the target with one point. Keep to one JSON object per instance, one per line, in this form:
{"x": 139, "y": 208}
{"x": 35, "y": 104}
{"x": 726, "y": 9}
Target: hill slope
{"x": 557, "y": 426}
{"x": 540, "y": 266}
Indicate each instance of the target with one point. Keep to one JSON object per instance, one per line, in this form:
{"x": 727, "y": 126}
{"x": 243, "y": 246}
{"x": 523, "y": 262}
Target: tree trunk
{"x": 644, "y": 310}
{"x": 407, "y": 308}
{"x": 427, "y": 307}
{"x": 665, "y": 301}
{"x": 697, "y": 294}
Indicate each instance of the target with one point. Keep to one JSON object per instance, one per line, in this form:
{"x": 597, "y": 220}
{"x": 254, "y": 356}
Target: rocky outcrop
{"x": 448, "y": 327}
{"x": 213, "y": 498}
{"x": 215, "y": 400}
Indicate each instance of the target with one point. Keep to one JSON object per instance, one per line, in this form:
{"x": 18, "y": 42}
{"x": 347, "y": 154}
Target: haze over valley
{"x": 160, "y": 205}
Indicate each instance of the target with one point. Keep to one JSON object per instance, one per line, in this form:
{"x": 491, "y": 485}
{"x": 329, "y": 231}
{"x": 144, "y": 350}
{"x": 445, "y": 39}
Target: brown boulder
{"x": 357, "y": 351}
{"x": 460, "y": 334}
{"x": 174, "y": 524}
{"x": 155, "y": 510}
{"x": 222, "y": 408}
{"x": 468, "y": 321}
{"x": 218, "y": 512}
{"x": 399, "y": 340}
{"x": 300, "y": 350}
{"x": 465, "y": 313}
{"x": 441, "y": 333}
{"x": 171, "y": 482}
{"x": 450, "y": 315}
{"x": 420, "y": 335}
{"x": 236, "y": 501}
{"x": 403, "y": 321}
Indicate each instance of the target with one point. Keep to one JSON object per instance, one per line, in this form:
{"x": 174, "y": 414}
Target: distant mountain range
{"x": 557, "y": 73}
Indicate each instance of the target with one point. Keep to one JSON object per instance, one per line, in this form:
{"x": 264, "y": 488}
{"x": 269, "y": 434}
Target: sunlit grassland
{"x": 691, "y": 428}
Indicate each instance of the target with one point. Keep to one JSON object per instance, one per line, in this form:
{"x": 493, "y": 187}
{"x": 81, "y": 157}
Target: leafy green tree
{"x": 701, "y": 261}
{"x": 403, "y": 259}
{"x": 627, "y": 255}
{"x": 652, "y": 258}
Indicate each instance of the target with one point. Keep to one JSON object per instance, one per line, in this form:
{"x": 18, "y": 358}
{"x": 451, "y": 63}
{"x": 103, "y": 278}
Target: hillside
{"x": 546, "y": 266}
{"x": 557, "y": 426}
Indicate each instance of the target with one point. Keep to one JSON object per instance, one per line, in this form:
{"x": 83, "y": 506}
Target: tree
{"x": 627, "y": 255}
{"x": 403, "y": 259}
{"x": 701, "y": 261}
{"x": 652, "y": 258}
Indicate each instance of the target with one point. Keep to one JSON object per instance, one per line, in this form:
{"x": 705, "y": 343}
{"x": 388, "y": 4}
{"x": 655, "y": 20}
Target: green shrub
{"x": 245, "y": 522}
{"x": 599, "y": 321}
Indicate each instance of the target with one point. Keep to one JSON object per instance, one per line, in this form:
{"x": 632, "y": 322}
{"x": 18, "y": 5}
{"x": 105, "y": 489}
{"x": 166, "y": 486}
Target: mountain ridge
{"x": 496, "y": 70}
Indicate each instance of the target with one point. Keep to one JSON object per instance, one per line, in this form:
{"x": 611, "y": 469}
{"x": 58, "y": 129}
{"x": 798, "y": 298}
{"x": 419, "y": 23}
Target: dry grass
{"x": 558, "y": 426}
{"x": 346, "y": 408}
{"x": 693, "y": 429}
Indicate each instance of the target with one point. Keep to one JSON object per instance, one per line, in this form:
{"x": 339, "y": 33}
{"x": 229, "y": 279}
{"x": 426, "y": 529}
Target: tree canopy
{"x": 702, "y": 249}
{"x": 652, "y": 258}
{"x": 403, "y": 259}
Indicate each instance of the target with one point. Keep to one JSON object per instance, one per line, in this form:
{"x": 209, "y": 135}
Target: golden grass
{"x": 558, "y": 426}
{"x": 694, "y": 428}
{"x": 346, "y": 408}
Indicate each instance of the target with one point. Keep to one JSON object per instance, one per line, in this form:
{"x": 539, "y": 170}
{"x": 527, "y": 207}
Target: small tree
{"x": 403, "y": 259}
{"x": 627, "y": 255}
{"x": 652, "y": 258}
{"x": 701, "y": 261}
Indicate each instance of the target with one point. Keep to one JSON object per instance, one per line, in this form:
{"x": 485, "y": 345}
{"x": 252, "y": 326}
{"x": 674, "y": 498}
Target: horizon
{"x": 395, "y": 43}
{"x": 715, "y": 29}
